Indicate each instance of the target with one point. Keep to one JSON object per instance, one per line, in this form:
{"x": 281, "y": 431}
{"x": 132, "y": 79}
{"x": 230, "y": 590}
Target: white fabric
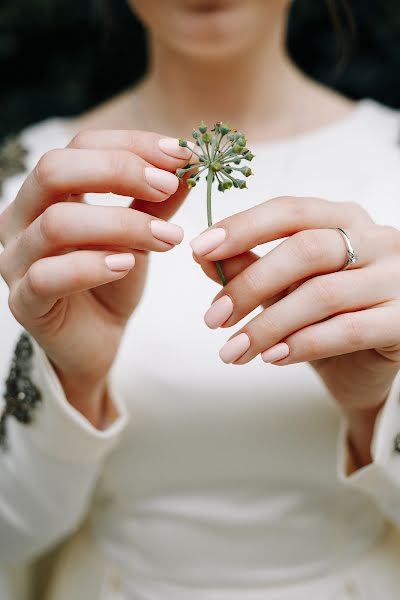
{"x": 226, "y": 481}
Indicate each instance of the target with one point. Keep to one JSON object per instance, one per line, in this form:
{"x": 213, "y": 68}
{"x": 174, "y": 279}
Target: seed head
{"x": 219, "y": 150}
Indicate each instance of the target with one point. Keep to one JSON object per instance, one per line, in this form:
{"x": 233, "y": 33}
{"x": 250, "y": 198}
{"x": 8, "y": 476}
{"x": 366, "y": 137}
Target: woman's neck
{"x": 260, "y": 92}
{"x": 248, "y": 90}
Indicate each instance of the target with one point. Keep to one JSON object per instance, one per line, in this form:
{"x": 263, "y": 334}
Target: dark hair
{"x": 345, "y": 28}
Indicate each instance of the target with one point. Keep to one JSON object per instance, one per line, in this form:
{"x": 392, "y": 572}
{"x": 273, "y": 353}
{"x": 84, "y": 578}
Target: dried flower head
{"x": 220, "y": 152}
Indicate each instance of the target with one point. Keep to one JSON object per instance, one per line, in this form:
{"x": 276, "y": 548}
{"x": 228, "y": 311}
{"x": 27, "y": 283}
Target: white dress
{"x": 216, "y": 482}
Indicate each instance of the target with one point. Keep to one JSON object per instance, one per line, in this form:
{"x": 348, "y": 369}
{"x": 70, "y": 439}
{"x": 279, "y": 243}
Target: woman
{"x": 185, "y": 477}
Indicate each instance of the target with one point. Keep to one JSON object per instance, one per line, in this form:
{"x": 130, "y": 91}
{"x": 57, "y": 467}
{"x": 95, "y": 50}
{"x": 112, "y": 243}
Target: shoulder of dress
{"x": 382, "y": 120}
{"x": 20, "y": 152}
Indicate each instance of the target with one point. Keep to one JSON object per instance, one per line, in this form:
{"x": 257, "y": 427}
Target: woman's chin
{"x": 219, "y": 34}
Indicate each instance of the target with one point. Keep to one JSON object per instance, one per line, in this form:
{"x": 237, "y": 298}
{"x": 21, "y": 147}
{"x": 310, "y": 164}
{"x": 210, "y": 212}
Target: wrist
{"x": 91, "y": 399}
{"x": 360, "y": 431}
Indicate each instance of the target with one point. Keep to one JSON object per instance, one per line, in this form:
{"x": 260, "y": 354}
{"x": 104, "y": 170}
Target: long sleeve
{"x": 381, "y": 478}
{"x": 50, "y": 467}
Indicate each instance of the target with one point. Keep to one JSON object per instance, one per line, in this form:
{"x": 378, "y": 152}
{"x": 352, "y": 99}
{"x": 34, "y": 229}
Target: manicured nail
{"x": 163, "y": 181}
{"x": 219, "y": 312}
{"x": 234, "y": 348}
{"x": 120, "y": 262}
{"x": 166, "y": 232}
{"x": 171, "y": 147}
{"x": 277, "y": 352}
{"x": 208, "y": 241}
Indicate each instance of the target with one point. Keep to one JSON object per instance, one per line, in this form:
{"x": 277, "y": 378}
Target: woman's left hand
{"x": 346, "y": 323}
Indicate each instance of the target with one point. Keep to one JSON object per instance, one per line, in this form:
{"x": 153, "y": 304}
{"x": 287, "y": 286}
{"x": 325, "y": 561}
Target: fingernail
{"x": 171, "y": 147}
{"x": 166, "y": 232}
{"x": 163, "y": 181}
{"x": 234, "y": 348}
{"x": 275, "y": 353}
{"x": 120, "y": 262}
{"x": 219, "y": 312}
{"x": 208, "y": 241}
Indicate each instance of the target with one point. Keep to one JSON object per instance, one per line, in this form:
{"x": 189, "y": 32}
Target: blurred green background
{"x": 58, "y": 57}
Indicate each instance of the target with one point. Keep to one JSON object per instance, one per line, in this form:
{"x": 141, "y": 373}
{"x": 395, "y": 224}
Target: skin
{"x": 345, "y": 323}
{"x": 186, "y": 80}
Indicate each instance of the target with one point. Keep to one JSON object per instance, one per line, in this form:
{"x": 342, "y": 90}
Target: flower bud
{"x": 241, "y": 184}
{"x": 202, "y": 127}
{"x": 196, "y": 134}
{"x": 216, "y": 166}
{"x": 183, "y": 143}
{"x": 246, "y": 171}
{"x": 180, "y": 173}
{"x": 237, "y": 148}
{"x": 249, "y": 156}
{"x": 206, "y": 137}
{"x": 191, "y": 182}
{"x": 224, "y": 128}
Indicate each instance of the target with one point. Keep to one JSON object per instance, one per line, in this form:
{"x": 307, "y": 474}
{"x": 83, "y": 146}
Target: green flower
{"x": 220, "y": 152}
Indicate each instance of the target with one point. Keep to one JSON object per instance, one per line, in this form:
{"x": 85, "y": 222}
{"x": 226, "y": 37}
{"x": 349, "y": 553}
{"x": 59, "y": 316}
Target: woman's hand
{"x": 76, "y": 271}
{"x": 345, "y": 322}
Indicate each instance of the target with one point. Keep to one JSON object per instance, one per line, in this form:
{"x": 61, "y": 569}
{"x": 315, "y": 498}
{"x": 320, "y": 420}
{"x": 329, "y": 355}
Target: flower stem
{"x": 210, "y": 175}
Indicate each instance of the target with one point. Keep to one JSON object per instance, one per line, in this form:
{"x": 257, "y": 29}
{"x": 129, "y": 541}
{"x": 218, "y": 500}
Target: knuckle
{"x": 13, "y": 304}
{"x": 117, "y": 164}
{"x": 353, "y": 331}
{"x": 307, "y": 246}
{"x": 47, "y": 168}
{"x": 34, "y": 280}
{"x": 355, "y": 212}
{"x": 83, "y": 139}
{"x": 391, "y": 237}
{"x": 250, "y": 281}
{"x": 299, "y": 209}
{"x": 78, "y": 272}
{"x": 325, "y": 291}
{"x": 5, "y": 265}
{"x": 51, "y": 224}
{"x": 125, "y": 226}
{"x": 268, "y": 324}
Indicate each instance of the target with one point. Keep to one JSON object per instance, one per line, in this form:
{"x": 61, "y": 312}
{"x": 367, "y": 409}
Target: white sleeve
{"x": 49, "y": 468}
{"x": 381, "y": 478}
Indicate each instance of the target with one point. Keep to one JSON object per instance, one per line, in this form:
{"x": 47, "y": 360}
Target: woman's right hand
{"x": 56, "y": 247}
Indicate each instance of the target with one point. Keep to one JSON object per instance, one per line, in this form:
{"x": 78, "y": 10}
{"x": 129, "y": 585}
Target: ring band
{"x": 352, "y": 256}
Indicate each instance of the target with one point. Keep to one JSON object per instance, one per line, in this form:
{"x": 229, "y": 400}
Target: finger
{"x": 377, "y": 327}
{"x": 231, "y": 267}
{"x": 159, "y": 150}
{"x": 68, "y": 225}
{"x": 275, "y": 219}
{"x": 60, "y": 173}
{"x": 315, "y": 300}
{"x": 55, "y": 277}
{"x": 304, "y": 254}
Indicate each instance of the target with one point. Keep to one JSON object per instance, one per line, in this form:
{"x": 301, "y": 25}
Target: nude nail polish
{"x": 219, "y": 312}
{"x": 208, "y": 241}
{"x": 234, "y": 348}
{"x": 277, "y": 352}
{"x": 120, "y": 262}
{"x": 166, "y": 232}
{"x": 163, "y": 181}
{"x": 171, "y": 147}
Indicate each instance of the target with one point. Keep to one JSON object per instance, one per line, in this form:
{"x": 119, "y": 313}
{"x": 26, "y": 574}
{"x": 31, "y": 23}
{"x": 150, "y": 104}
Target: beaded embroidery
{"x": 21, "y": 395}
{"x": 12, "y": 159}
